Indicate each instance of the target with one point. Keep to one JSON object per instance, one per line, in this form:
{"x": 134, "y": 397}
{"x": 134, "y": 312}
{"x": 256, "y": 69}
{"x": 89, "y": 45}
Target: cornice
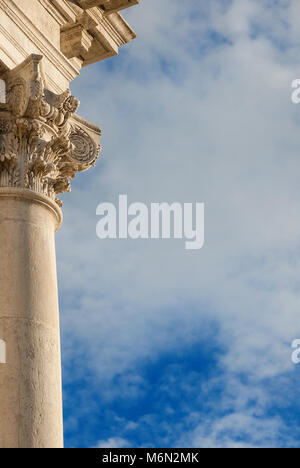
{"x": 98, "y": 19}
{"x": 43, "y": 43}
{"x": 77, "y": 35}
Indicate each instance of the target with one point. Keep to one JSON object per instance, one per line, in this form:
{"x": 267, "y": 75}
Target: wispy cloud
{"x": 113, "y": 443}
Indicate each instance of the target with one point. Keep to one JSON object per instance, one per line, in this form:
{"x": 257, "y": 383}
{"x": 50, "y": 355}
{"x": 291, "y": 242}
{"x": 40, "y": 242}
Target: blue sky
{"x": 164, "y": 347}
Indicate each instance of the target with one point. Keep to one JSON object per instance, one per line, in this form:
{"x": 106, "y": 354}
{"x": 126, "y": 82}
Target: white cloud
{"x": 114, "y": 442}
{"x": 238, "y": 430}
{"x": 218, "y": 128}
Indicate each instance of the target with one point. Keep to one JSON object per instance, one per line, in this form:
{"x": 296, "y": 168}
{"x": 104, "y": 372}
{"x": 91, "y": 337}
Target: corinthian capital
{"x": 43, "y": 143}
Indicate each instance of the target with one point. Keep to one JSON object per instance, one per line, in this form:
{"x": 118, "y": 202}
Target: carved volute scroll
{"x": 42, "y": 143}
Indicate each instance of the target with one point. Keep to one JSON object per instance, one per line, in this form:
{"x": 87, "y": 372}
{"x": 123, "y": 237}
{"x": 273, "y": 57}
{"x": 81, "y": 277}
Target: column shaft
{"x": 30, "y": 381}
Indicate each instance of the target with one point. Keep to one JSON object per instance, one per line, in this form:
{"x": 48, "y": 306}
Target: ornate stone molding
{"x": 42, "y": 143}
{"x": 70, "y": 34}
{"x": 97, "y": 30}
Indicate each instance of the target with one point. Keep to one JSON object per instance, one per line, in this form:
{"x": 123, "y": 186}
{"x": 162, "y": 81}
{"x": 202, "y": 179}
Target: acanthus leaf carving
{"x": 41, "y": 145}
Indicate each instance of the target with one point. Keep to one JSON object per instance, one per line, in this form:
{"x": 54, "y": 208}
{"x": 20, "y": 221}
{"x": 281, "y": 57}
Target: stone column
{"x": 42, "y": 145}
{"x": 30, "y": 381}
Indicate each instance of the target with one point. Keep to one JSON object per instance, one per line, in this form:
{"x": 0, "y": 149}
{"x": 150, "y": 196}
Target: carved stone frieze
{"x": 42, "y": 143}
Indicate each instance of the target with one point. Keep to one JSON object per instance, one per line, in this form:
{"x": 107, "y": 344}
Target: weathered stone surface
{"x": 42, "y": 144}
{"x": 52, "y": 27}
{"x": 30, "y": 381}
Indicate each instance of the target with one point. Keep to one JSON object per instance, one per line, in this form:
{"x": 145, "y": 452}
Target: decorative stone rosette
{"x": 43, "y": 144}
